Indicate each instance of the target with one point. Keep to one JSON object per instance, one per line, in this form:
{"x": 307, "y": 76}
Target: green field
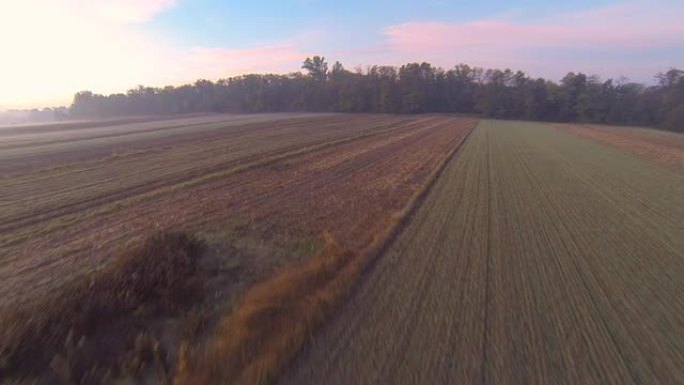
{"x": 539, "y": 257}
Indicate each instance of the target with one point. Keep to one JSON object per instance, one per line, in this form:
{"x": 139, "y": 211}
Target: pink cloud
{"x": 635, "y": 39}
{"x": 131, "y": 11}
{"x": 213, "y": 62}
{"x": 629, "y": 25}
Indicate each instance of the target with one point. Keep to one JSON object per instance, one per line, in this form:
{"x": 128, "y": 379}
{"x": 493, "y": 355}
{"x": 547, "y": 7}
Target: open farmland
{"x": 260, "y": 191}
{"x": 293, "y": 177}
{"x": 538, "y": 257}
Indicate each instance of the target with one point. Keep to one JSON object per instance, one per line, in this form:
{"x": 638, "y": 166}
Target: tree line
{"x": 410, "y": 89}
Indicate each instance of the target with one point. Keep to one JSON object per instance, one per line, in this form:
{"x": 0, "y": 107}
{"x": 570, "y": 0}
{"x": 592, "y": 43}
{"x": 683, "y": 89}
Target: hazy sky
{"x": 54, "y": 48}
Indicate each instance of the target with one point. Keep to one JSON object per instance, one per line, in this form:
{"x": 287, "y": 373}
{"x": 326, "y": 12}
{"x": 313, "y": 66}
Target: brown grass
{"x": 662, "y": 147}
{"x": 276, "y": 317}
{"x": 154, "y": 275}
{"x": 248, "y": 343}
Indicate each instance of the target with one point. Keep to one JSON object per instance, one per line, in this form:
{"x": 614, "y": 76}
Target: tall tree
{"x": 317, "y": 68}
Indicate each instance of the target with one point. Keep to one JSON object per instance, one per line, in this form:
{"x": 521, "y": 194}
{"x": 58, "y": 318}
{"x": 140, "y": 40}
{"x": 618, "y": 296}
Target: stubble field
{"x": 260, "y": 191}
{"x": 293, "y": 177}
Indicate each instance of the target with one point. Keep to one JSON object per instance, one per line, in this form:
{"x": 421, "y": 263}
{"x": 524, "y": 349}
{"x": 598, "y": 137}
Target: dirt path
{"x": 537, "y": 258}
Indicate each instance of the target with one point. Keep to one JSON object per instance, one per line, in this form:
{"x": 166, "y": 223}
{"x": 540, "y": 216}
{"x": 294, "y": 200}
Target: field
{"x": 538, "y": 257}
{"x": 436, "y": 249}
{"x": 261, "y": 191}
{"x": 662, "y": 147}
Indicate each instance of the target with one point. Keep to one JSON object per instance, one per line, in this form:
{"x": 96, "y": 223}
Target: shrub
{"x": 152, "y": 274}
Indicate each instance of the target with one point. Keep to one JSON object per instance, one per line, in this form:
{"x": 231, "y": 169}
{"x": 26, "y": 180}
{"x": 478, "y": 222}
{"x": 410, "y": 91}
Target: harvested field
{"x": 53, "y": 216}
{"x": 258, "y": 190}
{"x": 537, "y": 258}
{"x": 662, "y": 147}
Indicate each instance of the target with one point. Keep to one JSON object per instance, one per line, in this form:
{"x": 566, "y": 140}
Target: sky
{"x": 51, "y": 49}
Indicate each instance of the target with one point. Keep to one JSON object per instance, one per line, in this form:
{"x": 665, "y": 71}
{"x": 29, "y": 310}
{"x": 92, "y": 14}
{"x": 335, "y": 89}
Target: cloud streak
{"x": 616, "y": 40}
{"x": 636, "y": 25}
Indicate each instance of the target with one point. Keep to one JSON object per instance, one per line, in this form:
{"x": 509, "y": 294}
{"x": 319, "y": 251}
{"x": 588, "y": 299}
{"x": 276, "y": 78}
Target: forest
{"x": 410, "y": 89}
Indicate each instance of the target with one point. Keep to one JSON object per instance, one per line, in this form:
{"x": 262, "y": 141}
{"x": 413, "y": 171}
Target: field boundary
{"x": 272, "y": 324}
{"x": 415, "y": 203}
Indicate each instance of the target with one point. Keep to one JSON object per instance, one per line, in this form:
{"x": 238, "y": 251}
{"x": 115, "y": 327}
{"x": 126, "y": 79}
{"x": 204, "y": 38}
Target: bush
{"x": 154, "y": 273}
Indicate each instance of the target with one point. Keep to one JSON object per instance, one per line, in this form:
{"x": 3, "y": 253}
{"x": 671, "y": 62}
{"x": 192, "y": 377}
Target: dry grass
{"x": 276, "y": 317}
{"x": 662, "y": 147}
{"x": 152, "y": 277}
{"x": 272, "y": 321}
